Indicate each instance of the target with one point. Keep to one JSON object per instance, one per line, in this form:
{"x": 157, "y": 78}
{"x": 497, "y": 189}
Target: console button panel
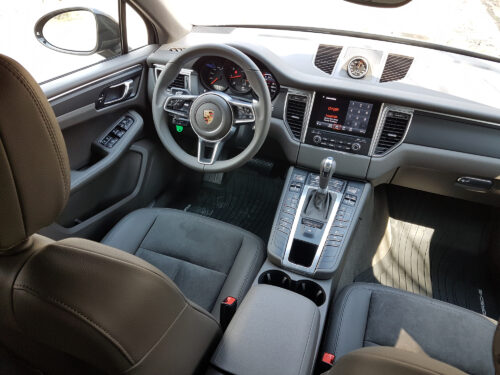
{"x": 333, "y": 247}
{"x": 339, "y": 142}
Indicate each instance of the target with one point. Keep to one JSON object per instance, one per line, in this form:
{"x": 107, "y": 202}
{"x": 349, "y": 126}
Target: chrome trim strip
{"x": 459, "y": 117}
{"x": 312, "y": 268}
{"x": 92, "y": 82}
{"x": 380, "y": 126}
{"x": 307, "y": 112}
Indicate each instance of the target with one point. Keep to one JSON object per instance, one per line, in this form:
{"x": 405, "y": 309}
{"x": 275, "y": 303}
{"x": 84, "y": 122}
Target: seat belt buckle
{"x": 227, "y": 310}
{"x": 326, "y": 363}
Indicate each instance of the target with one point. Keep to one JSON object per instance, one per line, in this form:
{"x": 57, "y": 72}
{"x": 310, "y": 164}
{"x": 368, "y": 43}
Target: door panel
{"x": 111, "y": 163}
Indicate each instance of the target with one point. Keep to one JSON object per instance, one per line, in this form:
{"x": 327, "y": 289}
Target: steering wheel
{"x": 214, "y": 115}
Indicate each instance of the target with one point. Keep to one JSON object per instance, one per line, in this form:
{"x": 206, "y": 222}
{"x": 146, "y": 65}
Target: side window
{"x": 85, "y": 33}
{"x": 137, "y": 32}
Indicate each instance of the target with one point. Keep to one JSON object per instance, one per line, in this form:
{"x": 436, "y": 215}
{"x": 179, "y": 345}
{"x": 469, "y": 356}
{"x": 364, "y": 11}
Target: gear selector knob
{"x": 326, "y": 171}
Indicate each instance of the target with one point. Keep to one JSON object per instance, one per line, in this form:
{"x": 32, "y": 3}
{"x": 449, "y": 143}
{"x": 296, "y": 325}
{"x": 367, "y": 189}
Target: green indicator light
{"x": 179, "y": 128}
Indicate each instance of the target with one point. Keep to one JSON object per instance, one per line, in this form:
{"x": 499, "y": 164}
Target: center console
{"x": 278, "y": 327}
{"x": 309, "y": 244}
{"x": 342, "y": 124}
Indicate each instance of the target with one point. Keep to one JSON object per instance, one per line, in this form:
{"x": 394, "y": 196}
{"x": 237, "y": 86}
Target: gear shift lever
{"x": 326, "y": 171}
{"x": 320, "y": 200}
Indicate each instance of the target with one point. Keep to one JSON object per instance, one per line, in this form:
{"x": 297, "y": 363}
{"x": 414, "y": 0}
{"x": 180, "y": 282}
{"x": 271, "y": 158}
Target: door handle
{"x": 127, "y": 89}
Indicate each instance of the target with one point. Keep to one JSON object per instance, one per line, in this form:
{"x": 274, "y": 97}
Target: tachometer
{"x": 213, "y": 75}
{"x": 238, "y": 79}
{"x": 357, "y": 67}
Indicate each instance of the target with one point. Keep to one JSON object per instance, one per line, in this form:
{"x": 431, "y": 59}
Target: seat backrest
{"x": 76, "y": 304}
{"x": 496, "y": 350}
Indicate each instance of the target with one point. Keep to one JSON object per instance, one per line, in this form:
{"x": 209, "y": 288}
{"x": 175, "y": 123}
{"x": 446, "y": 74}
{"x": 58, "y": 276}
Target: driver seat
{"x": 207, "y": 259}
{"x": 77, "y": 306}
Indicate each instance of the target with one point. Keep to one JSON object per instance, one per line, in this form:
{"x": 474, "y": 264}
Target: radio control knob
{"x": 356, "y": 147}
{"x": 317, "y": 139}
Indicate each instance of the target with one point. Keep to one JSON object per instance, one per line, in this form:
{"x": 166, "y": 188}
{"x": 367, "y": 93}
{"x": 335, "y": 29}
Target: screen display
{"x": 340, "y": 114}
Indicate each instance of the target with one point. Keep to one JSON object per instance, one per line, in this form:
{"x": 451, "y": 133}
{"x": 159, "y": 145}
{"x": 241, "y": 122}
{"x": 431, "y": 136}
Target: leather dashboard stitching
{"x": 71, "y": 309}
{"x": 15, "y": 73}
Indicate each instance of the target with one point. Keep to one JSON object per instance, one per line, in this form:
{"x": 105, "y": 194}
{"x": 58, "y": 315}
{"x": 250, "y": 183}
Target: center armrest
{"x": 275, "y": 331}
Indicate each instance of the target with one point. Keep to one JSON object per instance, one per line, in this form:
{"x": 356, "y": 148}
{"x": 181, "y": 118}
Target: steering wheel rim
{"x": 222, "y": 106}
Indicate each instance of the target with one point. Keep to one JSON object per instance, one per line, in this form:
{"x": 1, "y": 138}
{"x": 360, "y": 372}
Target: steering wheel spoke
{"x": 209, "y": 152}
{"x": 244, "y": 112}
{"x": 179, "y": 105}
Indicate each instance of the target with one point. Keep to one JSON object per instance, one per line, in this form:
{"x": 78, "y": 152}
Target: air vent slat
{"x": 179, "y": 82}
{"x": 295, "y": 113}
{"x": 326, "y": 57}
{"x": 393, "y": 131}
{"x": 396, "y": 67}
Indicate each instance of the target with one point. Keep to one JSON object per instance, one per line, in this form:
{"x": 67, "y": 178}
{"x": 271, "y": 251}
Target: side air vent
{"x": 393, "y": 131}
{"x": 396, "y": 67}
{"x": 295, "y": 113}
{"x": 326, "y": 57}
{"x": 179, "y": 82}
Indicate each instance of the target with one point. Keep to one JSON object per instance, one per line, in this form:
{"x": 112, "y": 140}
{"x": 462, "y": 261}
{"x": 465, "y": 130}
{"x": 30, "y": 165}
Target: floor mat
{"x": 247, "y": 197}
{"x": 436, "y": 246}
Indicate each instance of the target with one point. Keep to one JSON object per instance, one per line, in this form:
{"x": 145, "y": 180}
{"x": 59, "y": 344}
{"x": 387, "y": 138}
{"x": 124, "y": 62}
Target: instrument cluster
{"x": 220, "y": 74}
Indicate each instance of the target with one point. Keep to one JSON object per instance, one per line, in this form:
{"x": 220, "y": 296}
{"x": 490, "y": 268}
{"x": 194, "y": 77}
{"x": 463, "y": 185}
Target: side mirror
{"x": 79, "y": 31}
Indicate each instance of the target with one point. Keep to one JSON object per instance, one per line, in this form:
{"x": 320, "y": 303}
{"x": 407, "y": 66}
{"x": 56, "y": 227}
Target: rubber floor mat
{"x": 437, "y": 247}
{"x": 247, "y": 197}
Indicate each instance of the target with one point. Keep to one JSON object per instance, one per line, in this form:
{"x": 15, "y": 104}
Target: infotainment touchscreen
{"x": 332, "y": 112}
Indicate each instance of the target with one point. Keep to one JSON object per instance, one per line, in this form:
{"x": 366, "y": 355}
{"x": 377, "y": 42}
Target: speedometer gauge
{"x": 212, "y": 74}
{"x": 357, "y": 67}
{"x": 238, "y": 79}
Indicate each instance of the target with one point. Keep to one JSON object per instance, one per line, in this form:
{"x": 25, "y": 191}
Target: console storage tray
{"x": 275, "y": 331}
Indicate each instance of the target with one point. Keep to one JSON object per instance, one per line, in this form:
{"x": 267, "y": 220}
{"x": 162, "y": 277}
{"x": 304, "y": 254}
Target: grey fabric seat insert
{"x": 370, "y": 314}
{"x": 197, "y": 253}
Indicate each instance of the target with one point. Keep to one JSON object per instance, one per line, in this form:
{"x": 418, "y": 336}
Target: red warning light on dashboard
{"x": 334, "y": 109}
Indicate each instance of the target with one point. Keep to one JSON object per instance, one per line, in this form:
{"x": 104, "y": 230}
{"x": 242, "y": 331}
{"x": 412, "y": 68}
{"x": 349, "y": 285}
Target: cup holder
{"x": 306, "y": 288}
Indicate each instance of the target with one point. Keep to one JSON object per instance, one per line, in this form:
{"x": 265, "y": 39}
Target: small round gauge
{"x": 272, "y": 84}
{"x": 237, "y": 79}
{"x": 212, "y": 74}
{"x": 357, "y": 67}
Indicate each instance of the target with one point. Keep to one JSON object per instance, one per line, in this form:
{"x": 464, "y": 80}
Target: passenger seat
{"x": 368, "y": 315}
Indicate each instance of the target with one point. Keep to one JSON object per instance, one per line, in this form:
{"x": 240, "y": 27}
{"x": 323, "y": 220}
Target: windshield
{"x": 471, "y": 25}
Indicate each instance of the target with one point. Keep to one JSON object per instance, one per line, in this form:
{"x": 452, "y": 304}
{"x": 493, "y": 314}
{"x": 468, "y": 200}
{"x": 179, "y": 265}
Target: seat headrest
{"x": 34, "y": 167}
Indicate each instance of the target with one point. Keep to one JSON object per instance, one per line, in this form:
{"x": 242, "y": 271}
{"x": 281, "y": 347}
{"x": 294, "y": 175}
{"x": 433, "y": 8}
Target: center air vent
{"x": 296, "y": 106}
{"x": 393, "y": 131}
{"x": 326, "y": 57}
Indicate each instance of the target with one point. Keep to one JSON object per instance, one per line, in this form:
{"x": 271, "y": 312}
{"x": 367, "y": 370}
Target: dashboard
{"x": 387, "y": 112}
{"x": 220, "y": 74}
